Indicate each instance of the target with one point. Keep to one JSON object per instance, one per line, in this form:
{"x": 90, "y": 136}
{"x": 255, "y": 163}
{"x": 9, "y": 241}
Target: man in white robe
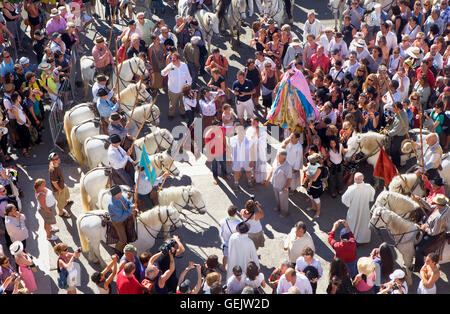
{"x": 357, "y": 199}
{"x": 258, "y": 134}
{"x": 241, "y": 249}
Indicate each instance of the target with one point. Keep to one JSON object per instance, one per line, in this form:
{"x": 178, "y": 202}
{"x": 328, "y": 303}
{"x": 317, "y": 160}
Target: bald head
{"x": 432, "y": 139}
{"x": 359, "y": 177}
{"x": 290, "y": 275}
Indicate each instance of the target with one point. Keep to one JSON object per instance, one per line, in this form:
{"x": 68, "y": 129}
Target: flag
{"x": 384, "y": 169}
{"x": 150, "y": 174}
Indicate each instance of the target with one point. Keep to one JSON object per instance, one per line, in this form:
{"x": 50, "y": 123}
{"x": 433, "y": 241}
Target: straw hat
{"x": 16, "y": 248}
{"x": 54, "y": 12}
{"x": 366, "y": 266}
{"x": 440, "y": 199}
{"x": 99, "y": 39}
{"x": 9, "y": 87}
{"x": 44, "y": 66}
{"x": 414, "y": 52}
{"x": 361, "y": 43}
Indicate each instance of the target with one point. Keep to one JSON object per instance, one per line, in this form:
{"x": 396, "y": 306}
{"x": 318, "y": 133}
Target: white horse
{"x": 259, "y": 5}
{"x": 234, "y": 15}
{"x": 84, "y": 111}
{"x": 90, "y": 128}
{"x": 98, "y": 178}
{"x": 410, "y": 182}
{"x": 386, "y": 5}
{"x": 275, "y": 9}
{"x": 130, "y": 68}
{"x": 209, "y": 22}
{"x": 181, "y": 196}
{"x": 337, "y": 8}
{"x": 367, "y": 144}
{"x": 96, "y": 151}
{"x": 183, "y": 7}
{"x": 406, "y": 235}
{"x": 149, "y": 224}
{"x": 400, "y": 204}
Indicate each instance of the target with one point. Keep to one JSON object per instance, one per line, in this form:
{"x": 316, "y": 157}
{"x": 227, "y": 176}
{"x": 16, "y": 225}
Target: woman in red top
{"x": 122, "y": 51}
{"x": 415, "y": 106}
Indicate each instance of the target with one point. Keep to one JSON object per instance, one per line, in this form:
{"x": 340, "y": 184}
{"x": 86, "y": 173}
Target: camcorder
{"x": 167, "y": 247}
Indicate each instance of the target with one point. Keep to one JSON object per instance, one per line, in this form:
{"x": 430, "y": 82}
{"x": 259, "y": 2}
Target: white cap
{"x": 397, "y": 274}
{"x": 24, "y": 60}
{"x": 140, "y": 14}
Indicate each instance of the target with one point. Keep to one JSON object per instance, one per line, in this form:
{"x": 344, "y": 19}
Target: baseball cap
{"x": 397, "y": 274}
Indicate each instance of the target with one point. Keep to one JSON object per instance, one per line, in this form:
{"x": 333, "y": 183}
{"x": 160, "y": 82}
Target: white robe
{"x": 357, "y": 199}
{"x": 241, "y": 250}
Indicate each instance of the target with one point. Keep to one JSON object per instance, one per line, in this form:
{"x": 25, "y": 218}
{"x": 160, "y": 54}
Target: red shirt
{"x": 346, "y": 251}
{"x": 415, "y": 112}
{"x": 430, "y": 76}
{"x": 323, "y": 61}
{"x": 127, "y": 285}
{"x": 213, "y": 139}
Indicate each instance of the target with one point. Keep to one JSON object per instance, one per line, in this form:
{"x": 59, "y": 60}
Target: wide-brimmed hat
{"x": 366, "y": 266}
{"x": 102, "y": 92}
{"x": 115, "y": 189}
{"x": 440, "y": 199}
{"x": 114, "y": 117}
{"x": 130, "y": 248}
{"x": 101, "y": 78}
{"x": 437, "y": 181}
{"x": 270, "y": 21}
{"x": 414, "y": 52}
{"x": 397, "y": 274}
{"x": 115, "y": 138}
{"x": 16, "y": 248}
{"x": 54, "y": 12}
{"x": 44, "y": 66}
{"x": 99, "y": 39}
{"x": 361, "y": 43}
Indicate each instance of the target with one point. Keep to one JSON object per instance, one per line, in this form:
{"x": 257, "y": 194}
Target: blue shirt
{"x": 139, "y": 271}
{"x": 106, "y": 107}
{"x": 369, "y": 126}
{"x": 31, "y": 68}
{"x": 117, "y": 128}
{"x": 445, "y": 14}
{"x": 244, "y": 88}
{"x": 117, "y": 211}
{"x": 6, "y": 68}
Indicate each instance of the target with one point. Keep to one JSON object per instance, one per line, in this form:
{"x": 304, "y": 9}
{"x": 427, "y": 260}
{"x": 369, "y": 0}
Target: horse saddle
{"x": 96, "y": 122}
{"x": 93, "y": 107}
{"x": 438, "y": 245}
{"x": 130, "y": 229}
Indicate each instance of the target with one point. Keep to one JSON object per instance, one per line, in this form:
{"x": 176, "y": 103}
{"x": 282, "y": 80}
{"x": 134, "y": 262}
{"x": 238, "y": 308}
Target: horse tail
{"x": 68, "y": 128}
{"x": 84, "y": 195}
{"x": 76, "y": 148}
{"x": 86, "y": 153}
{"x": 84, "y": 241}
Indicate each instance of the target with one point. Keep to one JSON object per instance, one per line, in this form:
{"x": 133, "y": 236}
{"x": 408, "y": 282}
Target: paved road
{"x": 200, "y": 234}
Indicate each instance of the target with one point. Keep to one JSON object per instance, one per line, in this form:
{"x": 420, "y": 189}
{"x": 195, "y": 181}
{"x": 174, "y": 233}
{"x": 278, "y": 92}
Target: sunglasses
{"x": 370, "y": 80}
{"x": 6, "y": 56}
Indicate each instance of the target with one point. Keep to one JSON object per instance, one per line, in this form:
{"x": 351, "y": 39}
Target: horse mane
{"x": 397, "y": 183}
{"x": 397, "y": 223}
{"x": 403, "y": 204}
{"x": 149, "y": 214}
{"x": 170, "y": 194}
{"x": 371, "y": 145}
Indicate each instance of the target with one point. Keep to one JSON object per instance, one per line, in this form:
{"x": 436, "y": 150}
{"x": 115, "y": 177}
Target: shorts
{"x": 34, "y": 21}
{"x": 225, "y": 249}
{"x": 238, "y": 165}
{"x": 247, "y": 106}
{"x": 49, "y": 218}
{"x": 316, "y": 200}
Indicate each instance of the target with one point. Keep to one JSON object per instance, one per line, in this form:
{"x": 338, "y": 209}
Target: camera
{"x": 252, "y": 197}
{"x": 79, "y": 250}
{"x": 167, "y": 247}
{"x": 395, "y": 286}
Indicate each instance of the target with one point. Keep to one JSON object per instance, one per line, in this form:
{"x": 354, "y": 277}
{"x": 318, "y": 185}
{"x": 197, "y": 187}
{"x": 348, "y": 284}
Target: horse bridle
{"x": 189, "y": 201}
{"x": 359, "y": 150}
{"x": 134, "y": 73}
{"x": 162, "y": 166}
{"x": 163, "y": 139}
{"x": 239, "y": 10}
{"x": 168, "y": 217}
{"x": 138, "y": 91}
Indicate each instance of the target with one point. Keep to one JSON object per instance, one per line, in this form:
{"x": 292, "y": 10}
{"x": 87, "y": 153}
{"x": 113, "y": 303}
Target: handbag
{"x": 33, "y": 133}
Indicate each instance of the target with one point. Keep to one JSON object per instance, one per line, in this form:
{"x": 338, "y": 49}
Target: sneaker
{"x": 53, "y": 238}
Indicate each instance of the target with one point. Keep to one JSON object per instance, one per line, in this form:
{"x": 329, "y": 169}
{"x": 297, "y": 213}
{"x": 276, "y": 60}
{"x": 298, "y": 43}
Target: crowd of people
{"x": 376, "y": 71}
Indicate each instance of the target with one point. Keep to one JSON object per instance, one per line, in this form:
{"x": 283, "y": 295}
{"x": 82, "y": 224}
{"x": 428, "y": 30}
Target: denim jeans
{"x": 223, "y": 164}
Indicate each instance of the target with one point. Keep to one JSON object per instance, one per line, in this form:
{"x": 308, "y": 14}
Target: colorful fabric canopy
{"x": 293, "y": 106}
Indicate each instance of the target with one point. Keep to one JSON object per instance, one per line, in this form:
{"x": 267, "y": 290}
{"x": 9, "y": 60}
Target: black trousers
{"x": 396, "y": 149}
{"x": 420, "y": 254}
{"x": 287, "y": 4}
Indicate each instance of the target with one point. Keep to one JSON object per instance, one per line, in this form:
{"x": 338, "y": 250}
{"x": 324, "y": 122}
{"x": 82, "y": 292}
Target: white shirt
{"x": 438, "y": 62}
{"x": 260, "y": 64}
{"x": 336, "y": 158}
{"x": 393, "y": 63}
{"x": 391, "y": 39}
{"x": 95, "y": 88}
{"x": 54, "y": 46}
{"x": 254, "y": 283}
{"x": 350, "y": 68}
{"x": 325, "y": 42}
{"x": 315, "y": 28}
{"x": 17, "y": 231}
{"x": 242, "y": 148}
{"x": 301, "y": 264}
{"x": 341, "y": 46}
{"x": 117, "y": 157}
{"x": 294, "y": 155}
{"x": 337, "y": 74}
{"x": 189, "y": 103}
{"x": 332, "y": 115}
{"x": 302, "y": 283}
{"x": 162, "y": 39}
{"x": 296, "y": 246}
{"x": 363, "y": 55}
{"x": 402, "y": 95}
{"x": 228, "y": 227}
{"x": 177, "y": 77}
{"x": 235, "y": 286}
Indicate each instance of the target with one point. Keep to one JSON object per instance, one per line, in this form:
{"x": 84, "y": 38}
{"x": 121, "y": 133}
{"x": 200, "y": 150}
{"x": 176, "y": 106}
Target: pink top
{"x": 53, "y": 26}
{"x": 366, "y": 286}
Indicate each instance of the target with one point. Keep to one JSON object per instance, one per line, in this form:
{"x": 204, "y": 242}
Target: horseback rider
{"x": 105, "y": 107}
{"x": 397, "y": 132}
{"x": 100, "y": 82}
{"x": 435, "y": 225}
{"x": 121, "y": 161}
{"x": 117, "y": 127}
{"x": 147, "y": 192}
{"x": 120, "y": 210}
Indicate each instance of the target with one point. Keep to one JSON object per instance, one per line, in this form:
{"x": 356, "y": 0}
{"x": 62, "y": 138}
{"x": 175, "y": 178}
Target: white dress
{"x": 422, "y": 290}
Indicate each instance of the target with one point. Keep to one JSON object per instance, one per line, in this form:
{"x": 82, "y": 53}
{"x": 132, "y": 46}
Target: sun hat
{"x": 361, "y": 43}
{"x": 130, "y": 248}
{"x": 440, "y": 199}
{"x": 114, "y": 116}
{"x": 140, "y": 14}
{"x": 102, "y": 78}
{"x": 24, "y": 60}
{"x": 397, "y": 274}
{"x": 51, "y": 156}
{"x": 16, "y": 248}
{"x": 44, "y": 66}
{"x": 9, "y": 87}
{"x": 102, "y": 92}
{"x": 115, "y": 138}
{"x": 366, "y": 266}
{"x": 54, "y": 12}
{"x": 414, "y": 52}
{"x": 99, "y": 39}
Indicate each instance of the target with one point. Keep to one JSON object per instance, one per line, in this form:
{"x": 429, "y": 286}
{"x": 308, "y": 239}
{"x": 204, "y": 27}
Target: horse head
{"x": 153, "y": 119}
{"x": 353, "y": 147}
{"x": 164, "y": 139}
{"x": 138, "y": 66}
{"x": 166, "y": 161}
{"x": 143, "y": 94}
{"x": 172, "y": 214}
{"x": 193, "y": 198}
{"x": 377, "y": 221}
{"x": 213, "y": 21}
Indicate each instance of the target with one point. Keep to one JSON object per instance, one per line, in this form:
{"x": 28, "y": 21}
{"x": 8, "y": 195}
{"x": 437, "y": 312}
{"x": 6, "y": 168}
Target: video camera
{"x": 167, "y": 247}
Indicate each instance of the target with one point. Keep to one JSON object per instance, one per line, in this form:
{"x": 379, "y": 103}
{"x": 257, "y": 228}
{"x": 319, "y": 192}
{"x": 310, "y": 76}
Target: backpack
{"x": 62, "y": 277}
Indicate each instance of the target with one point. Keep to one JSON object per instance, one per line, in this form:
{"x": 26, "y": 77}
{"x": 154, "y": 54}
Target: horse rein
{"x": 190, "y": 202}
{"x": 124, "y": 82}
{"x": 162, "y": 222}
{"x": 162, "y": 166}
